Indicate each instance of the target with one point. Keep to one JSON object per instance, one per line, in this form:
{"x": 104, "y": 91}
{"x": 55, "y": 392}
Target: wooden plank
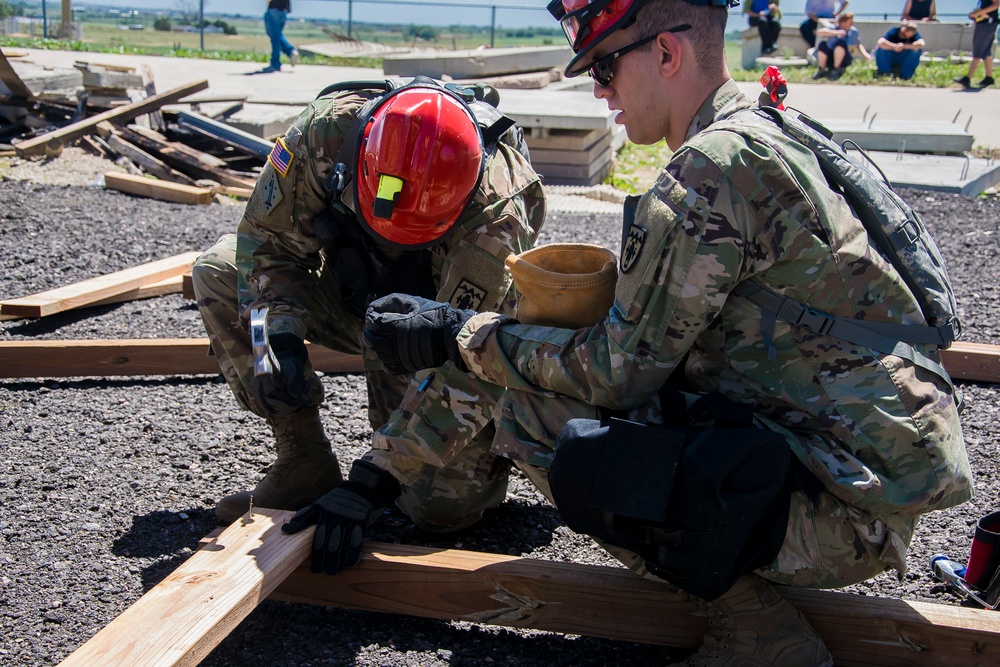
{"x": 120, "y": 115}
{"x": 152, "y": 165}
{"x": 185, "y": 158}
{"x": 156, "y": 189}
{"x": 172, "y": 285}
{"x": 977, "y": 362}
{"x": 228, "y": 133}
{"x": 96, "y": 289}
{"x": 162, "y": 356}
{"x": 615, "y": 604}
{"x": 181, "y": 619}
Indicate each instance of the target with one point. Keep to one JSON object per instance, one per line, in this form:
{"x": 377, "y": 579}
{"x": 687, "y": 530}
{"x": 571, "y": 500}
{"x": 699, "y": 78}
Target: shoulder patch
{"x": 634, "y": 242}
{"x": 467, "y": 296}
{"x": 280, "y": 157}
{"x": 270, "y": 192}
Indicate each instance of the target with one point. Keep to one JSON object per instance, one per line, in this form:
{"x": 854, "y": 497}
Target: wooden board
{"x": 151, "y": 164}
{"x": 181, "y": 619}
{"x": 563, "y": 140}
{"x": 178, "y": 193}
{"x": 574, "y": 157}
{"x": 977, "y": 362}
{"x": 185, "y": 158}
{"x": 615, "y": 604}
{"x": 110, "y": 358}
{"x": 172, "y": 285}
{"x": 120, "y": 115}
{"x": 11, "y": 79}
{"x": 96, "y": 289}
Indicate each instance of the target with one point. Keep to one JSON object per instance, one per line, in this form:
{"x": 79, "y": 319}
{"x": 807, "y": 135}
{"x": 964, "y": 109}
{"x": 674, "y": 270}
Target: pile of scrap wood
{"x": 117, "y": 114}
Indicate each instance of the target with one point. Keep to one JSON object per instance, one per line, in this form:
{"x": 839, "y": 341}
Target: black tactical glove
{"x": 410, "y": 333}
{"x": 344, "y": 515}
{"x": 288, "y": 390}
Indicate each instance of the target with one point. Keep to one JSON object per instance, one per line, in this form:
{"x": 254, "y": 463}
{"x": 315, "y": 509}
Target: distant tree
{"x": 10, "y": 9}
{"x": 188, "y": 9}
{"x": 424, "y": 32}
{"x": 162, "y": 24}
{"x": 226, "y": 28}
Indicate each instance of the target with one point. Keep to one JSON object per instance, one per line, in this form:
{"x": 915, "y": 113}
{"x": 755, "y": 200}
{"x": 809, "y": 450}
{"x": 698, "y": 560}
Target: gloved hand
{"x": 344, "y": 515}
{"x": 410, "y": 333}
{"x": 288, "y": 390}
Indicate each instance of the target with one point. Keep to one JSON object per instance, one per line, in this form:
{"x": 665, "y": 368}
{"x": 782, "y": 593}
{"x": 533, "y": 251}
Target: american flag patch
{"x": 281, "y": 157}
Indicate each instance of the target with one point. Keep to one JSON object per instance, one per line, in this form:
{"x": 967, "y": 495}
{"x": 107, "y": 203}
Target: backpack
{"x": 894, "y": 229}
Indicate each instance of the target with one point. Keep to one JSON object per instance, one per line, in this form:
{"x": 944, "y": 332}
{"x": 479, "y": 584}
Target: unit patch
{"x": 270, "y": 192}
{"x": 467, "y": 296}
{"x": 281, "y": 157}
{"x": 633, "y": 247}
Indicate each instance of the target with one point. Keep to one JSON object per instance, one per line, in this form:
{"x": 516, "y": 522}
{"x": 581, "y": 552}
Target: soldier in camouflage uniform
{"x": 314, "y": 262}
{"x": 880, "y": 434}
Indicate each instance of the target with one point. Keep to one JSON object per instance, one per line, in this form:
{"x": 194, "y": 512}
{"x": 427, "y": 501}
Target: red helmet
{"x": 587, "y": 22}
{"x": 420, "y": 157}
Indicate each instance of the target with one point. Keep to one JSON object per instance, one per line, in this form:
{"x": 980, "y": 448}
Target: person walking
{"x": 986, "y": 17}
{"x": 274, "y": 24}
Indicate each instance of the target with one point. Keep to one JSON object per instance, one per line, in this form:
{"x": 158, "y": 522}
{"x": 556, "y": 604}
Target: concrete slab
{"x": 355, "y": 49}
{"x": 556, "y": 110}
{"x": 41, "y": 79}
{"x": 909, "y": 136}
{"x": 477, "y": 63}
{"x": 940, "y": 173}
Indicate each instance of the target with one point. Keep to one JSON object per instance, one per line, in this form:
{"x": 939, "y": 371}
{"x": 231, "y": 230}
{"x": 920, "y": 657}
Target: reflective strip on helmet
{"x": 389, "y": 188}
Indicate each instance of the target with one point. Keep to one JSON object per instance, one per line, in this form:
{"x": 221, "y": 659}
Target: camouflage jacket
{"x": 879, "y": 432}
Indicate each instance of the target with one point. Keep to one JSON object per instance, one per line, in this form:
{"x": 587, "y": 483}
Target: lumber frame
{"x": 110, "y": 358}
{"x": 171, "y": 285}
{"x": 978, "y": 362}
{"x": 123, "y": 114}
{"x": 179, "y": 622}
{"x": 97, "y": 289}
{"x": 184, "y": 157}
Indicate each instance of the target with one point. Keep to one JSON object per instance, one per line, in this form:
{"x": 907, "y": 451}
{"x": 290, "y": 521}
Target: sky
{"x": 509, "y": 13}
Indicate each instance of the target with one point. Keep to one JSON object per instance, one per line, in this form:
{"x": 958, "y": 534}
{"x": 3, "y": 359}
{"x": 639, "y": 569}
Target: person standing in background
{"x": 274, "y": 23}
{"x": 815, "y": 10}
{"x": 766, "y": 17}
{"x": 986, "y": 18}
{"x": 920, "y": 10}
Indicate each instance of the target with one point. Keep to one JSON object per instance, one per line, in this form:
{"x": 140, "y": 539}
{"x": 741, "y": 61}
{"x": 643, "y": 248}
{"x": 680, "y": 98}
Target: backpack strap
{"x": 885, "y": 337}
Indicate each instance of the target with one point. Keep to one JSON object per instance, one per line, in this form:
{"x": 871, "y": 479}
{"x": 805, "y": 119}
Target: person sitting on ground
{"x": 765, "y": 15}
{"x": 924, "y": 11}
{"x": 876, "y": 436}
{"x": 986, "y": 18}
{"x": 816, "y": 10}
{"x": 839, "y": 47}
{"x": 898, "y": 51}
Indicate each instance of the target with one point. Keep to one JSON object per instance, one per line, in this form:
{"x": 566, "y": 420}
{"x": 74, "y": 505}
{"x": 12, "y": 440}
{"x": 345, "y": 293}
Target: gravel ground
{"x": 106, "y": 485}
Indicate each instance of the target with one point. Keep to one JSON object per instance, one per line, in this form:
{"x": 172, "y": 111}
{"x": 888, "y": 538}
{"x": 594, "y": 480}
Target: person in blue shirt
{"x": 898, "y": 50}
{"x": 816, "y": 10}
{"x": 983, "y": 36}
{"x": 766, "y": 17}
{"x": 838, "y": 48}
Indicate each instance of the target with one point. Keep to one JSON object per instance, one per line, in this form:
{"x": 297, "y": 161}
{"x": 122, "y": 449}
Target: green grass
{"x": 928, "y": 75}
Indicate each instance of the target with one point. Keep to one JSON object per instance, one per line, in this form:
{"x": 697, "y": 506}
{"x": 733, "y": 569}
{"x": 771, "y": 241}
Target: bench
{"x": 942, "y": 39}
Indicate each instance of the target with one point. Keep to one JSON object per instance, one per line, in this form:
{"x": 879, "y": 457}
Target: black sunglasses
{"x": 601, "y": 69}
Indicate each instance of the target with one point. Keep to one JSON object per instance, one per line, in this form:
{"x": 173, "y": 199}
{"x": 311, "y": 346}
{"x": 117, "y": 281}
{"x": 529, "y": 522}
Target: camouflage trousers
{"x": 449, "y": 494}
{"x": 828, "y": 543}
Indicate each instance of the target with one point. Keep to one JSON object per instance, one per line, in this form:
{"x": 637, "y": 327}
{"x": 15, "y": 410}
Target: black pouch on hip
{"x": 703, "y": 505}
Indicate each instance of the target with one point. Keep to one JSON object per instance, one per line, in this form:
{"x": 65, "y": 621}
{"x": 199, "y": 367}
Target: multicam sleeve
{"x": 278, "y": 254}
{"x": 682, "y": 255}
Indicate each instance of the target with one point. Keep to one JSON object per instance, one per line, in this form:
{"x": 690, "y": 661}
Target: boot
{"x": 963, "y": 81}
{"x": 752, "y": 625}
{"x": 304, "y": 469}
{"x": 986, "y": 82}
